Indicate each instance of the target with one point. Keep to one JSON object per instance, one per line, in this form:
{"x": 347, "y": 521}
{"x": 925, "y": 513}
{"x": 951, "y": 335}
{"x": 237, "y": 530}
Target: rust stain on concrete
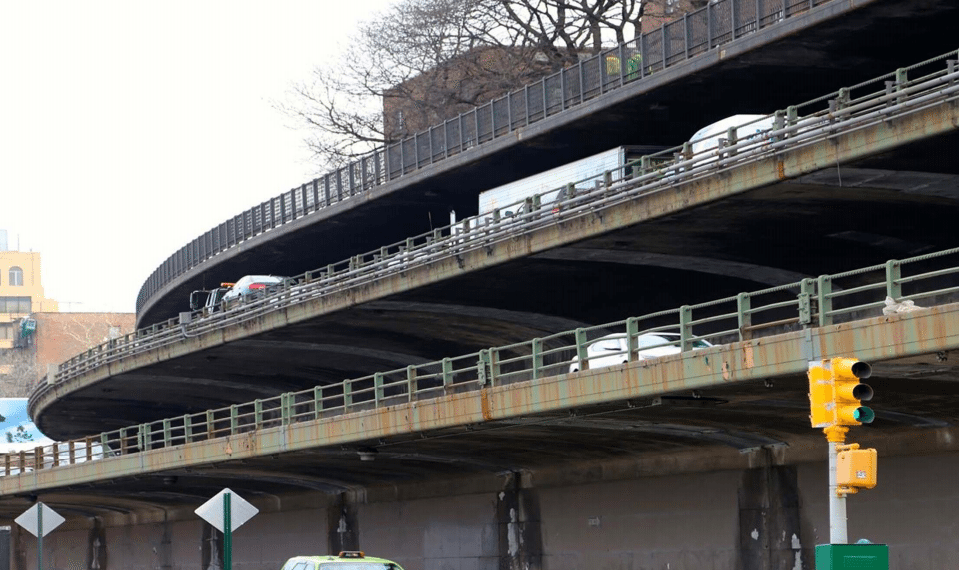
{"x": 484, "y": 399}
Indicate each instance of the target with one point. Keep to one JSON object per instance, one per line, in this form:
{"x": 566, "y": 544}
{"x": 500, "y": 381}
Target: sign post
{"x": 226, "y": 512}
{"x": 32, "y": 520}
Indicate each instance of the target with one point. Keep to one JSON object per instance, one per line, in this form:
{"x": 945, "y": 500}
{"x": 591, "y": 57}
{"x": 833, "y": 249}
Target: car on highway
{"x": 347, "y": 560}
{"x": 612, "y": 349}
{"x": 255, "y": 286}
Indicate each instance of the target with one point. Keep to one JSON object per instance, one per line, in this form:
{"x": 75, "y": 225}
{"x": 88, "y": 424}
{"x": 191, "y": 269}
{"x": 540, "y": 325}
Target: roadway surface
{"x": 835, "y": 45}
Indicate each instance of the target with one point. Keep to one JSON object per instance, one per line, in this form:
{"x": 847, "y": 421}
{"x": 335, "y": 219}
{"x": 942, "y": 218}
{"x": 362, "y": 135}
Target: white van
{"x": 747, "y": 127}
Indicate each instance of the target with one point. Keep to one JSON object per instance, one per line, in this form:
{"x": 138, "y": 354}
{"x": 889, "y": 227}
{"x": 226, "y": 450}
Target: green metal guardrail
{"x": 885, "y": 97}
{"x": 925, "y": 281}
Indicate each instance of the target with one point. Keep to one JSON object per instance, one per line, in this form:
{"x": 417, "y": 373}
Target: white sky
{"x": 129, "y": 128}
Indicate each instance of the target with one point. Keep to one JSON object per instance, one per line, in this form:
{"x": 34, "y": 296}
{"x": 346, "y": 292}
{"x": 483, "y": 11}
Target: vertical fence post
{"x": 685, "y": 328}
{"x": 166, "y": 433}
{"x": 377, "y": 388}
{"x": 744, "y": 316}
{"x": 187, "y": 429}
{"x": 447, "y": 373}
{"x": 411, "y": 386}
{"x": 536, "y": 355}
{"x": 234, "y": 419}
{"x": 580, "y": 339}
{"x": 807, "y": 288}
{"x": 632, "y": 334}
{"x": 317, "y": 402}
{"x": 286, "y": 408}
{"x": 347, "y": 395}
{"x": 210, "y": 425}
{"x": 893, "y": 275}
{"x": 824, "y": 300}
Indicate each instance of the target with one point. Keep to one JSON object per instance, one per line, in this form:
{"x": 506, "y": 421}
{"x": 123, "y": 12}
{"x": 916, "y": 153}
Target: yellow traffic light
{"x": 849, "y": 391}
{"x": 835, "y": 393}
{"x": 855, "y": 468}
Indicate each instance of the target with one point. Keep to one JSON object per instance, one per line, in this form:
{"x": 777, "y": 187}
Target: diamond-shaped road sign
{"x": 212, "y": 510}
{"x": 30, "y": 520}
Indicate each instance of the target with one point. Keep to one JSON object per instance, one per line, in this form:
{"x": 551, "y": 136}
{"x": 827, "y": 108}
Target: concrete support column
{"x": 518, "y": 519}
{"x": 344, "y": 527}
{"x": 769, "y": 518}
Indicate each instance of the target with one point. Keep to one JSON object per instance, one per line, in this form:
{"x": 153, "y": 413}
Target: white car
{"x": 611, "y": 350}
{"x": 255, "y": 286}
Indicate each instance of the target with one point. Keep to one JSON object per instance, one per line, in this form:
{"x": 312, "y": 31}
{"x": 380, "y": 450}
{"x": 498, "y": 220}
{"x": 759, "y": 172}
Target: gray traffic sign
{"x": 31, "y": 521}
{"x": 212, "y": 510}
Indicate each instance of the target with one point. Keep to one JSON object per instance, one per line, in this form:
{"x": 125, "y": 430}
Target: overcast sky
{"x": 129, "y": 128}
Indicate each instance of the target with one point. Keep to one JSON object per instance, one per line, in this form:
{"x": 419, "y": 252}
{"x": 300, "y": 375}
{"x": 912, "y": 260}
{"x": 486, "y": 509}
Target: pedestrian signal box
{"x": 855, "y": 468}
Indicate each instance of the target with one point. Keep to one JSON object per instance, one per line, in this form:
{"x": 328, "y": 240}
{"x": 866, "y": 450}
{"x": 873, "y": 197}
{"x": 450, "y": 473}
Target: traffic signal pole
{"x": 836, "y": 436}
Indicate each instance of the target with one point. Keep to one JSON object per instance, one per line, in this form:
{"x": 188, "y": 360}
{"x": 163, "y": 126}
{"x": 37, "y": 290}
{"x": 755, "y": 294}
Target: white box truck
{"x": 551, "y": 184}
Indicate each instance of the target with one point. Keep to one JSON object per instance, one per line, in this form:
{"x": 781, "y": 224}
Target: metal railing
{"x": 889, "y": 96}
{"x": 926, "y": 280}
{"x": 718, "y": 23}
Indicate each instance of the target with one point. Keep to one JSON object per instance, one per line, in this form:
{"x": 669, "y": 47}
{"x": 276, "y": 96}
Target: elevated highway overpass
{"x": 681, "y": 459}
{"x": 734, "y": 57}
{"x": 870, "y": 182}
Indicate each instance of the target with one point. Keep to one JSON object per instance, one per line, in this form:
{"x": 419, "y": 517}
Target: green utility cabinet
{"x": 852, "y": 557}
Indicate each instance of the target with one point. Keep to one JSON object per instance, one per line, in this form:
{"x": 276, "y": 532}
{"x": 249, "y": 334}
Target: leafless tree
{"x": 424, "y": 61}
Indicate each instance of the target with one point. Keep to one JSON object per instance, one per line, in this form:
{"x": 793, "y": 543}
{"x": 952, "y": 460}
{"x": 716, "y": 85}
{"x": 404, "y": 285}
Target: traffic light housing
{"x": 850, "y": 392}
{"x": 835, "y": 393}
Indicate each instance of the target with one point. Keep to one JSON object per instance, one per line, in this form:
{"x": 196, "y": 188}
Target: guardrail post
{"x": 143, "y": 437}
{"x": 411, "y": 386}
{"x": 6, "y": 464}
{"x": 893, "y": 275}
{"x": 807, "y": 289}
{"x": 685, "y": 328}
{"x": 581, "y": 355}
{"x": 23, "y": 460}
{"x": 317, "y": 402}
{"x": 902, "y": 78}
{"x": 187, "y": 429}
{"x": 286, "y": 408}
{"x": 744, "y": 316}
{"x": 55, "y": 447}
{"x": 378, "y": 393}
{"x": 166, "y": 433}
{"x": 234, "y": 421}
{"x": 210, "y": 425}
{"x": 38, "y": 458}
{"x": 824, "y": 299}
{"x": 536, "y": 348}
{"x": 447, "y": 373}
{"x": 104, "y": 442}
{"x": 792, "y": 115}
{"x": 482, "y": 367}
{"x": 632, "y": 334}
{"x": 645, "y": 165}
{"x": 347, "y": 395}
{"x": 71, "y": 452}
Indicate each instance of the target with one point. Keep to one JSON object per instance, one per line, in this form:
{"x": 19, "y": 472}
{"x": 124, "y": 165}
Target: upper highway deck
{"x": 745, "y": 56}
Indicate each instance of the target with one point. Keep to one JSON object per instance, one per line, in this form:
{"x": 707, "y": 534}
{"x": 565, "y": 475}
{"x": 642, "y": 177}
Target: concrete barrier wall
{"x": 764, "y": 518}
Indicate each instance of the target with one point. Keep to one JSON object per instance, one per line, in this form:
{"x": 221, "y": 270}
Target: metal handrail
{"x": 698, "y": 32}
{"x": 828, "y": 299}
{"x": 658, "y": 172}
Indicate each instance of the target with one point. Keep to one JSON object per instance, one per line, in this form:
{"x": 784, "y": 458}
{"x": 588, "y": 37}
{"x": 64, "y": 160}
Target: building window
{"x": 18, "y": 305}
{"x": 6, "y": 331}
{"x": 16, "y": 277}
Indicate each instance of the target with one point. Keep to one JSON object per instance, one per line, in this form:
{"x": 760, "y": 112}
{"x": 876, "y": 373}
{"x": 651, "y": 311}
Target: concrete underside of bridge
{"x": 715, "y": 509}
{"x": 610, "y": 514}
{"x": 835, "y": 45}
